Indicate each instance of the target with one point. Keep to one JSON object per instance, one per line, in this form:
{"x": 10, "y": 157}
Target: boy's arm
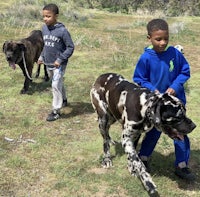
{"x": 141, "y": 75}
{"x": 69, "y": 47}
{"x": 183, "y": 76}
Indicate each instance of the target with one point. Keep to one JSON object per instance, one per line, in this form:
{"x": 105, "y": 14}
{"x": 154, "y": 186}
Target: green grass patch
{"x": 63, "y": 158}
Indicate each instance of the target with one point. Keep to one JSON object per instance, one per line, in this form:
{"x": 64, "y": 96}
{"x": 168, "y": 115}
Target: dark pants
{"x": 182, "y": 148}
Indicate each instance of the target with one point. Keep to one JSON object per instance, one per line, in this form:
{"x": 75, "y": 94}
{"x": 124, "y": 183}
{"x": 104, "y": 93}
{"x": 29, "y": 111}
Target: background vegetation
{"x": 63, "y": 158}
{"x": 169, "y": 7}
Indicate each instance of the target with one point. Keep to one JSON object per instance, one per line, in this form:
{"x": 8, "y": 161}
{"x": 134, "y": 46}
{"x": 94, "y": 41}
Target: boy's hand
{"x": 56, "y": 64}
{"x": 171, "y": 91}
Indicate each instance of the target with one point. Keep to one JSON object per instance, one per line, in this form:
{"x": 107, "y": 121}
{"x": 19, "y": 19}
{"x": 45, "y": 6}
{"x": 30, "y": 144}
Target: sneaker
{"x": 53, "y": 116}
{"x": 185, "y": 173}
{"x": 65, "y": 103}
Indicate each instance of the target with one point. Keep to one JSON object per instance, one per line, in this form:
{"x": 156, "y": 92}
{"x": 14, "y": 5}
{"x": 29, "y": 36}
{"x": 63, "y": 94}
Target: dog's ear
{"x": 157, "y": 111}
{"x": 4, "y": 46}
{"x": 157, "y": 116}
{"x": 21, "y": 46}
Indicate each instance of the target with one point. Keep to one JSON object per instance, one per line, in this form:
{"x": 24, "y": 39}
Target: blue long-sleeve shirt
{"x": 58, "y": 45}
{"x": 168, "y": 69}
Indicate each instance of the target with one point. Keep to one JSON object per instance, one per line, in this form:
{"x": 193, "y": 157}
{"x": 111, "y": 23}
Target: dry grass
{"x": 62, "y": 158}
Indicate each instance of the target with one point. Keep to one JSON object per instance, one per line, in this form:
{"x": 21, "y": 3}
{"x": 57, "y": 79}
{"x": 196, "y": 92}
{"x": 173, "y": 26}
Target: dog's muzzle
{"x": 178, "y": 129}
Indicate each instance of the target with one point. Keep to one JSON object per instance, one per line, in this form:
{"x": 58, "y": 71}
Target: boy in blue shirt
{"x": 162, "y": 68}
{"x": 58, "y": 47}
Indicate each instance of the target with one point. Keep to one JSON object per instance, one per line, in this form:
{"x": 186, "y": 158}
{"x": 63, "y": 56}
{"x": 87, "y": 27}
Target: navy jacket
{"x": 58, "y": 45}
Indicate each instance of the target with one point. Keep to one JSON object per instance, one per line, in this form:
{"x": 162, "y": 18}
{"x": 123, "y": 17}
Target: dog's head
{"x": 180, "y": 48}
{"x": 13, "y": 51}
{"x": 169, "y": 116}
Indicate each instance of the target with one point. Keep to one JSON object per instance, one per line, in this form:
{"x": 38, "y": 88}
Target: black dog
{"x": 138, "y": 110}
{"x": 25, "y": 53}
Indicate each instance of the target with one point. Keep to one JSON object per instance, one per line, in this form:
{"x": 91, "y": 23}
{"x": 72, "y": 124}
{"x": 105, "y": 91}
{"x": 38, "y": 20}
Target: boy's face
{"x": 49, "y": 17}
{"x": 159, "y": 39}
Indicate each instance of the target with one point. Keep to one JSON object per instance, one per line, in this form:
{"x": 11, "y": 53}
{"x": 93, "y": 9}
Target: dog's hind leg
{"x": 104, "y": 124}
{"x": 46, "y": 76}
{"x": 105, "y": 120}
{"x": 135, "y": 165}
{"x": 38, "y": 71}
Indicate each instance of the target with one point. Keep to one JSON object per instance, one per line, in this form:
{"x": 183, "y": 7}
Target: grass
{"x": 62, "y": 158}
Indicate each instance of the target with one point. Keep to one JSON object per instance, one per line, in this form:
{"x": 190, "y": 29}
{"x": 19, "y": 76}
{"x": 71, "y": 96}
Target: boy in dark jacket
{"x": 162, "y": 68}
{"x": 58, "y": 47}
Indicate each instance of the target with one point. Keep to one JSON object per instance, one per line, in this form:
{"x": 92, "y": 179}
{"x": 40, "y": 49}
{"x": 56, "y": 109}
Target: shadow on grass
{"x": 162, "y": 165}
{"x": 165, "y": 167}
{"x": 77, "y": 108}
{"x": 38, "y": 87}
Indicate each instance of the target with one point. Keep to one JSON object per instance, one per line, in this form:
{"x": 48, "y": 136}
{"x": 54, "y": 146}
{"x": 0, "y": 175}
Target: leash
{"x": 25, "y": 66}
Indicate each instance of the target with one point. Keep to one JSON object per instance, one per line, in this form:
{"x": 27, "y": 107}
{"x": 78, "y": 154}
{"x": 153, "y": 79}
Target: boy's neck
{"x": 151, "y": 47}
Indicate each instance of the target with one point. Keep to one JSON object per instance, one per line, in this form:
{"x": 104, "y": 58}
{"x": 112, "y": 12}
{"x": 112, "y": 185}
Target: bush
{"x": 169, "y": 7}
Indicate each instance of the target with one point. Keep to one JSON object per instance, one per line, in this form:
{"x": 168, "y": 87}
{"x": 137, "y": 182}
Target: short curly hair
{"x": 52, "y": 7}
{"x": 157, "y": 24}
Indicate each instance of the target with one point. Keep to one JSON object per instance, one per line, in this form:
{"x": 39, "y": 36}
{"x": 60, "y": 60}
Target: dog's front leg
{"x": 135, "y": 165}
{"x": 27, "y": 80}
{"x": 26, "y": 86}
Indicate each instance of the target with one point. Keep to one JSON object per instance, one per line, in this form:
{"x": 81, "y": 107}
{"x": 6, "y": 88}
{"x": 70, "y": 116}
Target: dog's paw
{"x": 154, "y": 193}
{"x": 23, "y": 91}
{"x": 107, "y": 162}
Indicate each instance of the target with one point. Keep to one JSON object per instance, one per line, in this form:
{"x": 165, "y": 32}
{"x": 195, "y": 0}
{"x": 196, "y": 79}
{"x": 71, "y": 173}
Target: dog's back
{"x": 34, "y": 39}
{"x": 35, "y": 36}
{"x": 116, "y": 92}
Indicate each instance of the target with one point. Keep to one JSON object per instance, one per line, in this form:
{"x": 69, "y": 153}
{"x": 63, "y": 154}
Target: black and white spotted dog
{"x": 138, "y": 110}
